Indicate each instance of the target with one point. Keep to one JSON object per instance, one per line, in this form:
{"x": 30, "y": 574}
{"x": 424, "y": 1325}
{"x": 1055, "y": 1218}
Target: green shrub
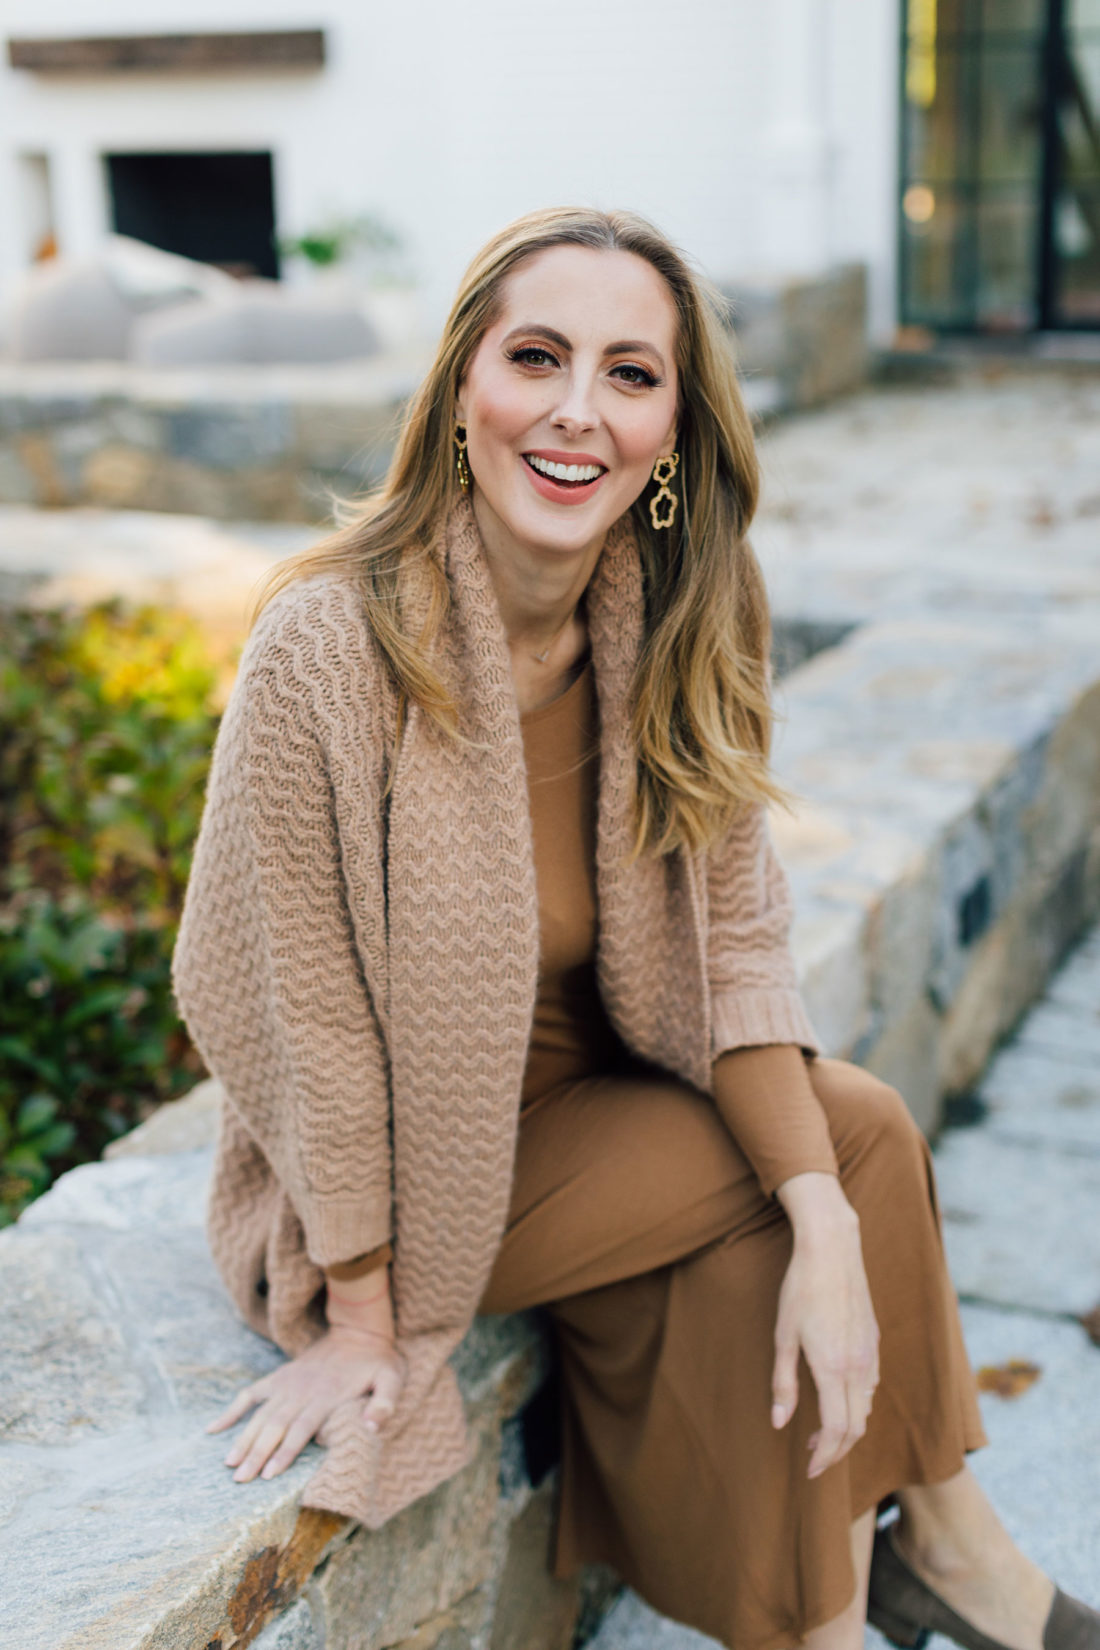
{"x": 106, "y": 726}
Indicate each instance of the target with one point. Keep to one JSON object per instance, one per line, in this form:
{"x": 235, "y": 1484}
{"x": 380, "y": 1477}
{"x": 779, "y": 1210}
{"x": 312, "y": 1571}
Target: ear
{"x": 668, "y": 446}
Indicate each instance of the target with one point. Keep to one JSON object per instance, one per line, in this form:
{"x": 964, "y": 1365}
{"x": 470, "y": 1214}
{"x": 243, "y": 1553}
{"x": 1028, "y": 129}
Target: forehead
{"x": 584, "y": 292}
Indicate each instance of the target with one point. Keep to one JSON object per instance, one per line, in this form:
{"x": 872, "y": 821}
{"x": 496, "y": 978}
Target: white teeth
{"x": 564, "y": 472}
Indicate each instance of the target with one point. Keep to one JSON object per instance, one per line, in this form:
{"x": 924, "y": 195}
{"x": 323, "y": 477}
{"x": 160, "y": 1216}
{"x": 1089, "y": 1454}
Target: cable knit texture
{"x": 360, "y": 971}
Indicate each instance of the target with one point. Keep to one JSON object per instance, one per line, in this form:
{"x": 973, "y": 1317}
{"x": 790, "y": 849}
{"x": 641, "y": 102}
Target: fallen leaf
{"x": 1090, "y": 1323}
{"x": 1041, "y": 512}
{"x": 1010, "y": 1379}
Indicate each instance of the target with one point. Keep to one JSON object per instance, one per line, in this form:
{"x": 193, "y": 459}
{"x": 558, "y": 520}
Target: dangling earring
{"x": 461, "y": 463}
{"x": 662, "y": 506}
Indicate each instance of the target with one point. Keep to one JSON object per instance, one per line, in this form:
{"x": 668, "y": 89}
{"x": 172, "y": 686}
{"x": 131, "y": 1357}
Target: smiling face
{"x": 570, "y": 398}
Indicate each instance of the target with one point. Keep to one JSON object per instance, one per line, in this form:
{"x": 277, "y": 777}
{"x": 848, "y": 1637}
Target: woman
{"x": 487, "y": 942}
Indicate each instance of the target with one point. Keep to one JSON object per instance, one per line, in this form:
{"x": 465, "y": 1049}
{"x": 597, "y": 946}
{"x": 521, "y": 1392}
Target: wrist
{"x": 816, "y": 1207}
{"x": 361, "y": 1286}
{"x": 361, "y": 1304}
{"x": 360, "y": 1331}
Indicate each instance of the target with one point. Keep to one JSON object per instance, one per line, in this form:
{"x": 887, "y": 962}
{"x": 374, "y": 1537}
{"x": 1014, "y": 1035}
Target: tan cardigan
{"x": 360, "y": 973}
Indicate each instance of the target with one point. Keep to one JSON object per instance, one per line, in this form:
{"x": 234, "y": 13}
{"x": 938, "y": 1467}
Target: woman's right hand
{"x": 355, "y": 1357}
{"x": 825, "y": 1311}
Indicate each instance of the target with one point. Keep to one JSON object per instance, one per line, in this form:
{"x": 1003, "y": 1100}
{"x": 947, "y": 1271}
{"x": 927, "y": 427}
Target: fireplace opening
{"x": 218, "y": 208}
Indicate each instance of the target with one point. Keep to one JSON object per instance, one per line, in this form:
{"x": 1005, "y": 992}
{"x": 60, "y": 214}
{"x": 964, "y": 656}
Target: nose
{"x": 576, "y": 412}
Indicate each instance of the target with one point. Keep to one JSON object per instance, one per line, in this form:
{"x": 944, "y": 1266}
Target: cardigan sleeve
{"x": 267, "y": 973}
{"x": 349, "y": 1271}
{"x": 767, "y": 1102}
{"x": 753, "y": 984}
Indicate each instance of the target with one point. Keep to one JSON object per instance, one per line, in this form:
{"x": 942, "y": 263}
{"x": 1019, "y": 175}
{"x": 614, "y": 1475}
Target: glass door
{"x": 999, "y": 207}
{"x": 1073, "y": 266}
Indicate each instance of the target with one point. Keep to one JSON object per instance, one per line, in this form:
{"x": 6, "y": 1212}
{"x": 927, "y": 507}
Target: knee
{"x": 867, "y": 1114}
{"x": 892, "y": 1122}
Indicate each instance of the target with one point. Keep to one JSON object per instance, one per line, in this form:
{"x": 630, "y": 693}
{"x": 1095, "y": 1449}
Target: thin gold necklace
{"x": 545, "y": 654}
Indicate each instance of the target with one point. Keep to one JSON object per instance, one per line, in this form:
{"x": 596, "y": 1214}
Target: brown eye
{"x": 631, "y": 373}
{"x": 532, "y": 355}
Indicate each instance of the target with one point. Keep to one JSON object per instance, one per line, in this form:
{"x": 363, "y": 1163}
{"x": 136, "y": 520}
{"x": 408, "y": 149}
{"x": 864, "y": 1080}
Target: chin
{"x": 559, "y": 530}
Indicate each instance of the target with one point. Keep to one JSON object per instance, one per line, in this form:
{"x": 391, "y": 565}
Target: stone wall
{"x": 278, "y": 443}
{"x": 951, "y": 850}
{"x": 121, "y": 1529}
{"x": 801, "y": 342}
{"x": 235, "y": 443}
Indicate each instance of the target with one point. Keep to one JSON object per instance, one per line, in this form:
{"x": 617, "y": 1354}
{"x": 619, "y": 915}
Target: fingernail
{"x": 779, "y": 1415}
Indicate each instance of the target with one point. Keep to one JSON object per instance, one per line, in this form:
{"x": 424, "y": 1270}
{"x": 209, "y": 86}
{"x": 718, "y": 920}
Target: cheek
{"x": 502, "y": 412}
{"x": 640, "y": 439}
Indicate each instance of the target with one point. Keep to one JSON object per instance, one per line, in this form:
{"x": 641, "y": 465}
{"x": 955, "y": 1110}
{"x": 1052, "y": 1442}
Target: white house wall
{"x": 759, "y": 133}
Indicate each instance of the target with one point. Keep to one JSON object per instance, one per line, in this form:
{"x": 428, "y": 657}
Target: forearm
{"x": 766, "y": 1100}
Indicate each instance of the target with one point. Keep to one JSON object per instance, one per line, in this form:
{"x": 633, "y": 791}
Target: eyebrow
{"x": 624, "y": 346}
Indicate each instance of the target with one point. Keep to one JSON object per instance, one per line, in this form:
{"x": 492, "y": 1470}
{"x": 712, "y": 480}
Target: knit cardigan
{"x": 360, "y": 971}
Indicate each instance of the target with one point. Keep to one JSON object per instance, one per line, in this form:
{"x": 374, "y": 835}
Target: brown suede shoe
{"x": 906, "y": 1609}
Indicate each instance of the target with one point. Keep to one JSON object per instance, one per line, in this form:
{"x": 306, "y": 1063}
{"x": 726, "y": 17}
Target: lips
{"x": 566, "y": 478}
{"x": 574, "y": 471}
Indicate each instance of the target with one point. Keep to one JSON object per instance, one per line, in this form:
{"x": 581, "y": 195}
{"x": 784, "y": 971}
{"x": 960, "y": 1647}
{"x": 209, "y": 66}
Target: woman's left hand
{"x": 825, "y": 1311}
{"x": 294, "y": 1401}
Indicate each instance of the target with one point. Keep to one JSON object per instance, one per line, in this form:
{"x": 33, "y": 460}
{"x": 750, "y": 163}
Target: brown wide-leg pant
{"x": 638, "y": 1221}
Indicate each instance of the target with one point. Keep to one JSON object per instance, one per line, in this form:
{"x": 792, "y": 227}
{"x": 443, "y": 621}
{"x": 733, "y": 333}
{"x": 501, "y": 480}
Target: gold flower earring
{"x": 461, "y": 461}
{"x": 663, "y": 504}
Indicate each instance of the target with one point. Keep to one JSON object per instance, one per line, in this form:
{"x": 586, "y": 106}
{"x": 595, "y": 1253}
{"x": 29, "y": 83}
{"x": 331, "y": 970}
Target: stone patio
{"x": 939, "y": 545}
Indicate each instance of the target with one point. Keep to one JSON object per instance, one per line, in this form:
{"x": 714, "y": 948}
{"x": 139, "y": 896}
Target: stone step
{"x": 1019, "y": 1221}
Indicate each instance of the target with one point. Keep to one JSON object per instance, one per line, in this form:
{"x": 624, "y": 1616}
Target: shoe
{"x": 907, "y": 1610}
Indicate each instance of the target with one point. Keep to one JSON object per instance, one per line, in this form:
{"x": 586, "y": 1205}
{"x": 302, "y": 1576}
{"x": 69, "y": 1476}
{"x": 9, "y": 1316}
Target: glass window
{"x": 934, "y": 250}
{"x": 1013, "y": 16}
{"x": 947, "y": 17}
{"x": 1000, "y": 183}
{"x": 1077, "y": 244}
{"x": 1010, "y": 120}
{"x": 1079, "y": 112}
{"x": 936, "y": 127}
{"x": 1006, "y": 254}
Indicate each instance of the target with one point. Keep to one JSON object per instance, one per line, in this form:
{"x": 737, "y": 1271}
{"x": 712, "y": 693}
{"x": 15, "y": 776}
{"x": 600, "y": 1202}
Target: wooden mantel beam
{"x": 182, "y": 53}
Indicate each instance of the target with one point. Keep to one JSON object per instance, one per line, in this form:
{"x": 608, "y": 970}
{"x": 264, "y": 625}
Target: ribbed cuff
{"x": 743, "y": 1018}
{"x": 345, "y": 1226}
{"x": 349, "y": 1271}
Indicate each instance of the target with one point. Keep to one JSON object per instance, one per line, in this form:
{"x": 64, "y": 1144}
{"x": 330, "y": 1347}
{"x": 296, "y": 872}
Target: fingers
{"x": 845, "y": 1396}
{"x": 828, "y": 1441}
{"x": 383, "y": 1399}
{"x": 297, "y": 1436}
{"x": 257, "y": 1444}
{"x": 241, "y": 1404}
{"x": 296, "y": 1401}
{"x": 784, "y": 1379}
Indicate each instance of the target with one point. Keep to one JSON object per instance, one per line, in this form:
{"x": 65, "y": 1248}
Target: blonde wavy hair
{"x": 701, "y": 709}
